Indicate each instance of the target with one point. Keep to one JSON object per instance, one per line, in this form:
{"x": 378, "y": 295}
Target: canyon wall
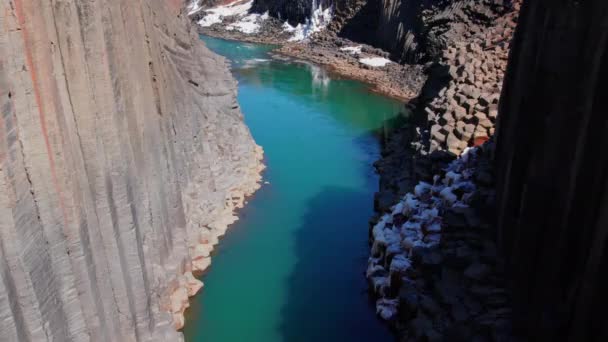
{"x": 552, "y": 170}
{"x": 419, "y": 30}
{"x": 294, "y": 11}
{"x": 415, "y": 31}
{"x": 122, "y": 156}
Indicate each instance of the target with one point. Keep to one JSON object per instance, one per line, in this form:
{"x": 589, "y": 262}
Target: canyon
{"x": 125, "y": 157}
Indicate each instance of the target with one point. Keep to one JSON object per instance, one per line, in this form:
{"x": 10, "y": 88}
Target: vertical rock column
{"x": 552, "y": 170}
{"x": 122, "y": 152}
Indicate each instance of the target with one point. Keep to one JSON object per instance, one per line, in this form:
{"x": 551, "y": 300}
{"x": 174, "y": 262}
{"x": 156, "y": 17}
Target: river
{"x": 292, "y": 268}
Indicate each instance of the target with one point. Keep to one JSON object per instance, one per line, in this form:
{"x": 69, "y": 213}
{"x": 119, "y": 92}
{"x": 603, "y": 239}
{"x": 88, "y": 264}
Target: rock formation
{"x": 122, "y": 157}
{"x": 552, "y": 170}
{"x": 434, "y": 263}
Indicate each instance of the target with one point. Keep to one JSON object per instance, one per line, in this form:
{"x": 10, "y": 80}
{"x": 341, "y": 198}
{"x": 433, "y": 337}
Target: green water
{"x": 292, "y": 268}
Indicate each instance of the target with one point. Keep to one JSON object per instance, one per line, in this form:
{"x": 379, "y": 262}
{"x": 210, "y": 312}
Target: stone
{"x": 460, "y": 60}
{"x": 453, "y": 72}
{"x": 485, "y": 99}
{"x": 477, "y": 271}
{"x": 453, "y": 142}
{"x": 486, "y": 123}
{"x": 493, "y": 113}
{"x": 448, "y": 119}
{"x": 469, "y": 105}
{"x": 461, "y": 99}
{"x": 438, "y": 136}
{"x": 459, "y": 113}
{"x": 471, "y": 92}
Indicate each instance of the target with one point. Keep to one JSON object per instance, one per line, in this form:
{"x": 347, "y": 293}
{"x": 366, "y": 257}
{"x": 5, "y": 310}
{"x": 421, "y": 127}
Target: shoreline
{"x": 397, "y": 81}
{"x": 203, "y": 241}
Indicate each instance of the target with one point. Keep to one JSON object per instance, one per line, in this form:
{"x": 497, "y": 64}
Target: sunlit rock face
{"x": 122, "y": 156}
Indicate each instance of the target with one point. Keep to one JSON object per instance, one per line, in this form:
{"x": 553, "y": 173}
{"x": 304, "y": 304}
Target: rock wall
{"x": 419, "y": 30}
{"x": 294, "y": 11}
{"x": 122, "y": 156}
{"x": 552, "y": 170}
{"x": 415, "y": 31}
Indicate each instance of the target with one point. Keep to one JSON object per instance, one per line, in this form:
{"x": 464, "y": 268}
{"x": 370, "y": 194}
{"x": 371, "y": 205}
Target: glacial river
{"x": 292, "y": 269}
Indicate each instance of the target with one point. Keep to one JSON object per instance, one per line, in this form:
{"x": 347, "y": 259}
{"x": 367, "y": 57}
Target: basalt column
{"x": 552, "y": 165}
{"x": 122, "y": 155}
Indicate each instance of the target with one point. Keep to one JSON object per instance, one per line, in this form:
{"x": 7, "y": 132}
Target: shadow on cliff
{"x": 332, "y": 249}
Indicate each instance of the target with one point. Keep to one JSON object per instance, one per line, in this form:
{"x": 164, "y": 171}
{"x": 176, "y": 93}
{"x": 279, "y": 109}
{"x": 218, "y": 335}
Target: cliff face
{"x": 417, "y": 31}
{"x": 122, "y": 156}
{"x": 552, "y": 170}
{"x": 294, "y": 11}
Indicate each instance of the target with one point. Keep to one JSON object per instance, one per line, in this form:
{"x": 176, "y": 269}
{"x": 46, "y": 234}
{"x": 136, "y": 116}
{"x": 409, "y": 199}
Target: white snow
{"x": 353, "y": 50}
{"x": 375, "y": 61}
{"x": 193, "y": 7}
{"x": 318, "y": 20}
{"x": 288, "y": 28}
{"x": 247, "y": 23}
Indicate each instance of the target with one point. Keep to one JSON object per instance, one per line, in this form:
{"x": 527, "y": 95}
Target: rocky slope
{"x": 122, "y": 157}
{"x": 434, "y": 263}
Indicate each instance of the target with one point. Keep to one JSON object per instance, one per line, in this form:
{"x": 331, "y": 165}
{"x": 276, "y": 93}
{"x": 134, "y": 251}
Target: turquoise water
{"x": 292, "y": 268}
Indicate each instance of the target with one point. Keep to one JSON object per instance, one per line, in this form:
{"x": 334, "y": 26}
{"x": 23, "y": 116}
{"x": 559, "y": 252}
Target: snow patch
{"x": 193, "y": 7}
{"x": 353, "y": 50}
{"x": 248, "y": 23}
{"x": 375, "y": 61}
{"x": 318, "y": 20}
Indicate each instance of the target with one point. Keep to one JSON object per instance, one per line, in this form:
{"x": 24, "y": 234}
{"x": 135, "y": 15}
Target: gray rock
{"x": 453, "y": 142}
{"x": 459, "y": 113}
{"x": 130, "y": 142}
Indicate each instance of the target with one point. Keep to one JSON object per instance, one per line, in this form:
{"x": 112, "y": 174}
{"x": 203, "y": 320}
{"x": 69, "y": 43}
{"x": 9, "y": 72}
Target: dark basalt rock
{"x": 552, "y": 170}
{"x": 294, "y": 11}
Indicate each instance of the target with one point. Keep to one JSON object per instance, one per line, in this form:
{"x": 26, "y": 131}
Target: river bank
{"x": 339, "y": 55}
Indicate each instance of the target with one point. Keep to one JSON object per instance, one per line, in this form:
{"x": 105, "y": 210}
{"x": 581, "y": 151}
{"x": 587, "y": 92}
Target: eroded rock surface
{"x": 122, "y": 157}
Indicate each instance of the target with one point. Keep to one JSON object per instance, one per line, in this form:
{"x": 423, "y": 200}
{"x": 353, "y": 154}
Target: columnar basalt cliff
{"x": 123, "y": 154}
{"x": 551, "y": 164}
{"x": 434, "y": 263}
